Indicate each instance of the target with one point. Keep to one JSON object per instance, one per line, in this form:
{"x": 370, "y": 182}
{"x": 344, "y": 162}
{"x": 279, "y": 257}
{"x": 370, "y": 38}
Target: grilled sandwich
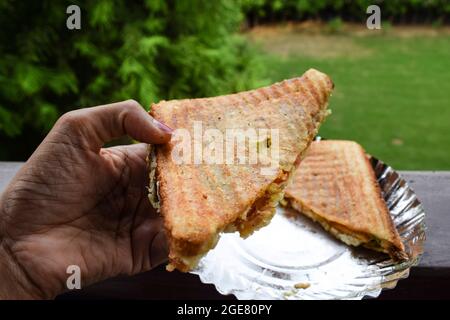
{"x": 336, "y": 186}
{"x": 200, "y": 199}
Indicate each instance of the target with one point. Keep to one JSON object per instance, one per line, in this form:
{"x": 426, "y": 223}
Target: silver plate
{"x": 294, "y": 258}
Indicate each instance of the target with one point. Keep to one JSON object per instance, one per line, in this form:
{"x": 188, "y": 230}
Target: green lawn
{"x": 392, "y": 91}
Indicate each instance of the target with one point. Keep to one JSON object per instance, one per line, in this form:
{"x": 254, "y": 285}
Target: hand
{"x": 76, "y": 203}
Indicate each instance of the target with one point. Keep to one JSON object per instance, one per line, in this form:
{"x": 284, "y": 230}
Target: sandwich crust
{"x": 335, "y": 186}
{"x": 199, "y": 201}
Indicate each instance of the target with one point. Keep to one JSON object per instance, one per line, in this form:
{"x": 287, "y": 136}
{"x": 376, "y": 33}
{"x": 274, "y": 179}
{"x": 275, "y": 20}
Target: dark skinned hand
{"x": 77, "y": 203}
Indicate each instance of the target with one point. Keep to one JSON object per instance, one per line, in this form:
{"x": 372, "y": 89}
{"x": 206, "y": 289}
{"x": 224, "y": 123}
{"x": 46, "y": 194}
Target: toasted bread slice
{"x": 200, "y": 200}
{"x": 336, "y": 186}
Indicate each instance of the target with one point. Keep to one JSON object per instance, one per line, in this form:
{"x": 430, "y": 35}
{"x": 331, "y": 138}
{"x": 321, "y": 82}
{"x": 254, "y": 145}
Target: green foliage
{"x": 147, "y": 50}
{"x": 411, "y": 10}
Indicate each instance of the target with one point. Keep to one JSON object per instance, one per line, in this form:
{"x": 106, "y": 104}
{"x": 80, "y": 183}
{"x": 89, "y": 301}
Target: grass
{"x": 392, "y": 91}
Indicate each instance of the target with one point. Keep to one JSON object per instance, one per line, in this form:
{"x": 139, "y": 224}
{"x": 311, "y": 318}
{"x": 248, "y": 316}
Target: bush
{"x": 146, "y": 50}
{"x": 260, "y": 11}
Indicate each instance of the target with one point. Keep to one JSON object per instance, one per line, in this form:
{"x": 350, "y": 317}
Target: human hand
{"x": 76, "y": 203}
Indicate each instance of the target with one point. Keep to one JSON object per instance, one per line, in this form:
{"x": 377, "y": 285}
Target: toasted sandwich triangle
{"x": 335, "y": 185}
{"x": 201, "y": 199}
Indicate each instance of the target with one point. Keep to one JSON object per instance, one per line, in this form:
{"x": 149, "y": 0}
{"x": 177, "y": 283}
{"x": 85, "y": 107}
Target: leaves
{"x": 47, "y": 115}
{"x": 9, "y": 122}
{"x": 348, "y": 9}
{"x": 62, "y": 82}
{"x": 29, "y": 78}
{"x": 147, "y": 50}
{"x": 102, "y": 13}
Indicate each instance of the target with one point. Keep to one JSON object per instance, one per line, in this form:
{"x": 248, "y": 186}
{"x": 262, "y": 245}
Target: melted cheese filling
{"x": 344, "y": 234}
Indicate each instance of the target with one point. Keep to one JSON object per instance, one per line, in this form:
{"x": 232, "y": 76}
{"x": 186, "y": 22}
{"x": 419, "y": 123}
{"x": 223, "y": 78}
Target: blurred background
{"x": 392, "y": 90}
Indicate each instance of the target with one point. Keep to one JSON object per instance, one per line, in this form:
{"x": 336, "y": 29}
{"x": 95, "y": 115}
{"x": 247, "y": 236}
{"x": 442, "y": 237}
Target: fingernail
{"x": 162, "y": 126}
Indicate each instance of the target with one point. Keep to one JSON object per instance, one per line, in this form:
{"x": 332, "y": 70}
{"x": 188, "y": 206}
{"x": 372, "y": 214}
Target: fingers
{"x": 159, "y": 249}
{"x": 135, "y": 151}
{"x": 149, "y": 243}
{"x": 97, "y": 125}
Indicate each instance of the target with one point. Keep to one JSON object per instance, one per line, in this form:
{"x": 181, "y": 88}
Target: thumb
{"x": 95, "y": 126}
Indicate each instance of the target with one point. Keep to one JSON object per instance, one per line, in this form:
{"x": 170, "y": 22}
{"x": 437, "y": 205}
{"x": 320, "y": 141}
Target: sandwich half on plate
{"x": 229, "y": 160}
{"x": 336, "y": 186}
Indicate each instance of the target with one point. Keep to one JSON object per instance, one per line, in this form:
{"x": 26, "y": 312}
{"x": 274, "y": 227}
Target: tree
{"x": 147, "y": 50}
